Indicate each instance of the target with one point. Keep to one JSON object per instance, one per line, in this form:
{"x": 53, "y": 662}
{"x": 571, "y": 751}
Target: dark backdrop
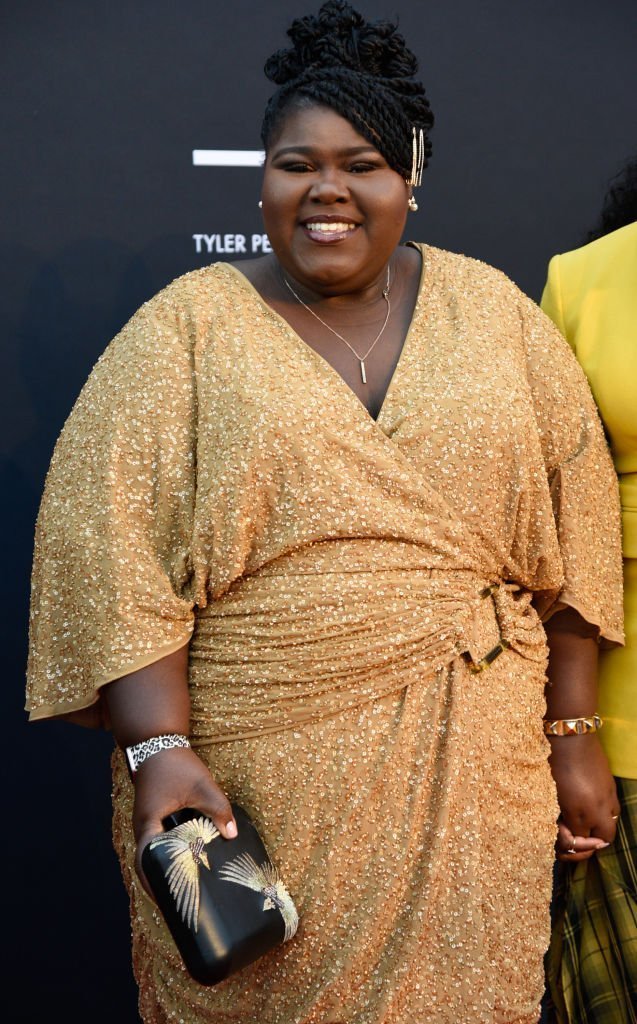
{"x": 102, "y": 106}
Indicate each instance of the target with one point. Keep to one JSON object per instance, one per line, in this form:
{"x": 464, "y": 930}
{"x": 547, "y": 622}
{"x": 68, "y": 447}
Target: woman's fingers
{"x": 573, "y": 848}
{"x": 210, "y": 799}
{"x": 606, "y": 827}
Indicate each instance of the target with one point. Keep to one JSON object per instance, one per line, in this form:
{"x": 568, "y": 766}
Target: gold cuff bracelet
{"x": 572, "y": 726}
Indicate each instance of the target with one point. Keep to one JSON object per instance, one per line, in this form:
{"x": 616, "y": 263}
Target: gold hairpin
{"x": 417, "y": 156}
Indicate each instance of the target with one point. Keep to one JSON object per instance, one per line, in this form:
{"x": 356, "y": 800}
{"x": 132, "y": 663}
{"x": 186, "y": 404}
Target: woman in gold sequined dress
{"x": 308, "y": 512}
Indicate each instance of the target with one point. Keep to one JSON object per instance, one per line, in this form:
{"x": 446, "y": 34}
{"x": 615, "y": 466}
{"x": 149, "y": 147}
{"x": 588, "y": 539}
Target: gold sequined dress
{"x": 338, "y": 578}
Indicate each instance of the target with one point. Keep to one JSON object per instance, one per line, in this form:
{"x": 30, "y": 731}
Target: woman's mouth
{"x": 326, "y": 232}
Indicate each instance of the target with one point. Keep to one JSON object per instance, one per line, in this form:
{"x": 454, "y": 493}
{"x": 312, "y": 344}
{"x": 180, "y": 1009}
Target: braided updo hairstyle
{"x": 362, "y": 70}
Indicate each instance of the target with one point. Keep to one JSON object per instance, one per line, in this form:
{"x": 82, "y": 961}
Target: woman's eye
{"x": 362, "y": 168}
{"x": 296, "y": 167}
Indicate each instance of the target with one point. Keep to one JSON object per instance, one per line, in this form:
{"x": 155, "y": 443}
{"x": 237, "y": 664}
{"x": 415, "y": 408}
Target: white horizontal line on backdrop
{"x": 227, "y": 157}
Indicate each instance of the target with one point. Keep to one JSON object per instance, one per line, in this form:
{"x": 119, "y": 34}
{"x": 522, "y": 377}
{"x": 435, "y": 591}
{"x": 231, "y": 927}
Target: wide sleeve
{"x": 581, "y": 477}
{"x": 111, "y": 584}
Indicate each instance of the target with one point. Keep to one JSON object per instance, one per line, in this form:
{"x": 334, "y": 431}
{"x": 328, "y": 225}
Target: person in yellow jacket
{"x": 591, "y": 295}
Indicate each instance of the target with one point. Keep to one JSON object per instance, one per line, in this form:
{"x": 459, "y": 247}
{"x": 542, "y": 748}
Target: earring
{"x": 260, "y": 205}
{"x": 412, "y": 205}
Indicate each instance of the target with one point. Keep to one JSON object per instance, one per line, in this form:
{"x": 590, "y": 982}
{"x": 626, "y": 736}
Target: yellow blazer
{"x": 591, "y": 295}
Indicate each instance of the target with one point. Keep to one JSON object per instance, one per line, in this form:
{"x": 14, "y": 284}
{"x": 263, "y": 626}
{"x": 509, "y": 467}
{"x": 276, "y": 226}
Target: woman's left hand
{"x": 586, "y": 794}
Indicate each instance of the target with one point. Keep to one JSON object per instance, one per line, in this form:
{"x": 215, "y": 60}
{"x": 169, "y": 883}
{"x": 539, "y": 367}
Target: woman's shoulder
{"x": 197, "y": 292}
{"x": 461, "y": 273}
{"x": 181, "y": 313}
{"x": 602, "y": 258}
{"x": 621, "y": 239}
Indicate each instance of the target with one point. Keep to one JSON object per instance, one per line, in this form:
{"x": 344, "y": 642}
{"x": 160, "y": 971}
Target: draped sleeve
{"x": 112, "y": 575}
{"x": 582, "y": 480}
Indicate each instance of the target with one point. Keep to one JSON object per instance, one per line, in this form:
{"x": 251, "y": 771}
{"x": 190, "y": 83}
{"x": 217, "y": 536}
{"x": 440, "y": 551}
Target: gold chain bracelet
{"x": 572, "y": 726}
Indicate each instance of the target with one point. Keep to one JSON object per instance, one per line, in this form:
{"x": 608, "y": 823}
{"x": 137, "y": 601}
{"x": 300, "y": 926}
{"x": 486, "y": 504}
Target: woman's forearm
{"x": 152, "y": 701}
{"x": 572, "y": 670}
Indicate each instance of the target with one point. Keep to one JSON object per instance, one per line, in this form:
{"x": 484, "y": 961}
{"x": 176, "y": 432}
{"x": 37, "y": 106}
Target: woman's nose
{"x": 330, "y": 187}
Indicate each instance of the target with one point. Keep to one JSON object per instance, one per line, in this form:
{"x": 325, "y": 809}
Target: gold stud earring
{"x": 412, "y": 205}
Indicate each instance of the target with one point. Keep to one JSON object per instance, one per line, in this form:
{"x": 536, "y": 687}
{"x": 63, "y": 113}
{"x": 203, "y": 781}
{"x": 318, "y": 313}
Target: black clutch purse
{"x": 222, "y": 899}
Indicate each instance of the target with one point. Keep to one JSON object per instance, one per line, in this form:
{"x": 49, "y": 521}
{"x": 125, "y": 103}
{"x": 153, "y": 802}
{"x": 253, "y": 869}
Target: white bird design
{"x": 185, "y": 845}
{"x": 244, "y": 870}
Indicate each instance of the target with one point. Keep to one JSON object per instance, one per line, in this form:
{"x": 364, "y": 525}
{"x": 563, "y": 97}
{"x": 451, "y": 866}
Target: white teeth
{"x": 332, "y": 227}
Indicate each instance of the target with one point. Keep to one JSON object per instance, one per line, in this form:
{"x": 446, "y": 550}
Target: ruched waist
{"x": 358, "y": 554}
{"x": 315, "y": 634}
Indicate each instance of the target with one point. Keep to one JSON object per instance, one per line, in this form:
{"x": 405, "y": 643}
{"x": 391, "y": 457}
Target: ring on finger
{"x": 572, "y": 850}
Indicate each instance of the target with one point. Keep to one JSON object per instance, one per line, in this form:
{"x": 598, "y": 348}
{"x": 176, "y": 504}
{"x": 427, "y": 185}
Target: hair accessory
{"x": 412, "y": 205}
{"x": 140, "y": 752}
{"x": 417, "y": 156}
{"x": 223, "y": 899}
{"x": 361, "y": 359}
{"x": 572, "y": 726}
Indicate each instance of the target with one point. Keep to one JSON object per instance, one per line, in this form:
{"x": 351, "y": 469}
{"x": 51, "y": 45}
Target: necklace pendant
{"x": 340, "y": 336}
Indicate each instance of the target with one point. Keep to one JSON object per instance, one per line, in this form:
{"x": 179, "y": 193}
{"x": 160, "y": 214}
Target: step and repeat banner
{"x": 131, "y": 154}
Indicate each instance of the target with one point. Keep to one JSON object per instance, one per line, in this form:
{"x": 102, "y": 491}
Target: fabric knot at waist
{"x": 317, "y": 633}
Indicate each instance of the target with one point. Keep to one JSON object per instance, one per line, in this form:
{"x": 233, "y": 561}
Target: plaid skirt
{"x": 592, "y": 959}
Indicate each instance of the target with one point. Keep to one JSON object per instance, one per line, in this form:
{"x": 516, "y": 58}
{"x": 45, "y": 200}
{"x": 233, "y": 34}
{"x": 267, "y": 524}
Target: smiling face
{"x": 333, "y": 208}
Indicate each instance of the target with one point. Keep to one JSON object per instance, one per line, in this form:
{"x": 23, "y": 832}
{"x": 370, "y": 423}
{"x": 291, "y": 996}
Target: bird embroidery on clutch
{"x": 244, "y": 870}
{"x": 185, "y": 845}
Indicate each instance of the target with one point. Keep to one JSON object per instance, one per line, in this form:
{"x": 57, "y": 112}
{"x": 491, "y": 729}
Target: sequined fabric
{"x": 219, "y": 482}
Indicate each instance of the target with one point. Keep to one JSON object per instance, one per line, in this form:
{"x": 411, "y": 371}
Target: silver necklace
{"x": 361, "y": 359}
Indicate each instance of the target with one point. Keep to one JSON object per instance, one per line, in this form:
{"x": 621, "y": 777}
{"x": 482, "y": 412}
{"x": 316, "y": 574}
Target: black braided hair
{"x": 620, "y": 203}
{"x": 362, "y": 70}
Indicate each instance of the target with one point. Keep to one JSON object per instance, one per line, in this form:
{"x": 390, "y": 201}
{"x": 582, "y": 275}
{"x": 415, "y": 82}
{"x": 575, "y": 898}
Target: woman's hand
{"x": 586, "y": 794}
{"x": 167, "y": 782}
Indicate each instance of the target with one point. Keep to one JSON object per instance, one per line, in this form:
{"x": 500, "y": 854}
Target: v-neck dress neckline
{"x": 323, "y": 365}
